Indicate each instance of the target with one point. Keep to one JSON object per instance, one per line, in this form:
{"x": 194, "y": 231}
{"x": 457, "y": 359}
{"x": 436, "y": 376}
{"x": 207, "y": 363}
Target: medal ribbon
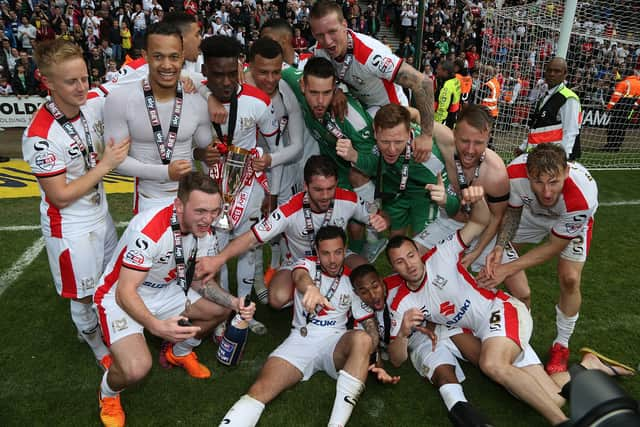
{"x": 308, "y": 221}
{"x": 165, "y": 147}
{"x": 184, "y": 274}
{"x": 348, "y": 59}
{"x": 88, "y": 151}
{"x": 330, "y": 293}
{"x": 226, "y": 141}
{"x": 462, "y": 180}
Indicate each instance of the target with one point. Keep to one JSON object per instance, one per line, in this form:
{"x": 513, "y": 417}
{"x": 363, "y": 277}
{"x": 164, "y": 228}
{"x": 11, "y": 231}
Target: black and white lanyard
{"x": 404, "y": 175}
{"x": 348, "y": 59}
{"x": 233, "y": 115}
{"x": 88, "y": 151}
{"x": 308, "y": 220}
{"x": 317, "y": 281}
{"x": 332, "y": 127}
{"x": 462, "y": 179}
{"x": 284, "y": 120}
{"x": 165, "y": 147}
{"x": 184, "y": 274}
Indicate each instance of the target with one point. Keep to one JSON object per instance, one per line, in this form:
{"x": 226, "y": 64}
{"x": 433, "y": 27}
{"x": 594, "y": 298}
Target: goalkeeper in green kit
{"x": 314, "y": 89}
{"x": 411, "y": 192}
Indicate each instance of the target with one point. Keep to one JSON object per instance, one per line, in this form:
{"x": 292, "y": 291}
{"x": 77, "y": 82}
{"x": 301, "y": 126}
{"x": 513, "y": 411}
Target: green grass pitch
{"x": 48, "y": 378}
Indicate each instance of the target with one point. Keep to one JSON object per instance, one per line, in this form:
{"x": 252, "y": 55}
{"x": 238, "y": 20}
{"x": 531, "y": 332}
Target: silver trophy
{"x": 375, "y": 243}
{"x": 232, "y": 180}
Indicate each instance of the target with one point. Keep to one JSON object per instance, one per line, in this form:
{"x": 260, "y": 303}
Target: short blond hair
{"x": 54, "y": 52}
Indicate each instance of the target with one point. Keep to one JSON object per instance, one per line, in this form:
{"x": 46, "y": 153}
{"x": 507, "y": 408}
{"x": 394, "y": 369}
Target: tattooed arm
{"x": 422, "y": 88}
{"x": 509, "y": 226}
{"x": 214, "y": 293}
{"x": 370, "y": 326}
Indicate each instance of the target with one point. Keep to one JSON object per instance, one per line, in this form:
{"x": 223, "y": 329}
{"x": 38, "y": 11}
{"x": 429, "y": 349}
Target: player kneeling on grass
{"x": 147, "y": 285}
{"x": 319, "y": 339}
{"x": 434, "y": 356}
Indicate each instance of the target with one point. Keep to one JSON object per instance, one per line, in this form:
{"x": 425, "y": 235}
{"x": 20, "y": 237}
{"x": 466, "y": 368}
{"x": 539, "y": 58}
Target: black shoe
{"x": 463, "y": 414}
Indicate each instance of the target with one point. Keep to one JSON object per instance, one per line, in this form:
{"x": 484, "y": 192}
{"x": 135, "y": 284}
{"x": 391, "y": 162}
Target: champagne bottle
{"x": 234, "y": 340}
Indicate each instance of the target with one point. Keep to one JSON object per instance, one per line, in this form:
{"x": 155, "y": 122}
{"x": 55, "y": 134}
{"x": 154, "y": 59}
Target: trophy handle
{"x": 224, "y": 222}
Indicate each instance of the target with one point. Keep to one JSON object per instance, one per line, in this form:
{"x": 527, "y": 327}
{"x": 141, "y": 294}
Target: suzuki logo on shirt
{"x": 460, "y": 314}
{"x": 447, "y": 309}
{"x": 322, "y": 312}
{"x": 319, "y": 322}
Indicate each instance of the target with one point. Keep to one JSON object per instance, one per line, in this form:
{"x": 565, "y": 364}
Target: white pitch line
{"x": 621, "y": 203}
{"x": 120, "y": 224}
{"x": 9, "y": 276}
{"x": 123, "y": 224}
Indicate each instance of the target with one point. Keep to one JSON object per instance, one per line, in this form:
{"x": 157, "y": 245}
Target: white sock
{"x": 366, "y": 191}
{"x": 452, "y": 394}
{"x": 258, "y": 284}
{"x": 565, "y": 326}
{"x": 348, "y": 389}
{"x": 276, "y": 253}
{"x": 105, "y": 390}
{"x": 86, "y": 320}
{"x": 245, "y": 273}
{"x": 244, "y": 413}
{"x": 185, "y": 347}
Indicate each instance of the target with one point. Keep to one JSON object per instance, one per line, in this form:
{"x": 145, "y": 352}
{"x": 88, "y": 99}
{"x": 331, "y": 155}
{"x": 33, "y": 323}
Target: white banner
{"x": 16, "y": 112}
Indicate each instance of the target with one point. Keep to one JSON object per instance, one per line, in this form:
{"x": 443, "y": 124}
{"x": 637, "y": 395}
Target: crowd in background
{"x": 110, "y": 32}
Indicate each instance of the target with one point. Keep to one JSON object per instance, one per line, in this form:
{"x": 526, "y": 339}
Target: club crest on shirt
{"x": 526, "y": 199}
{"x": 339, "y": 222}
{"x": 119, "y": 324}
{"x": 345, "y": 301}
{"x": 357, "y": 79}
{"x": 87, "y": 283}
{"x": 365, "y": 307}
{"x": 98, "y": 128}
{"x": 247, "y": 123}
{"x": 439, "y": 282}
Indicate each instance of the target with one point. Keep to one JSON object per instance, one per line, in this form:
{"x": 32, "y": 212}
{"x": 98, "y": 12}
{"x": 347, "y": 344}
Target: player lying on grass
{"x": 436, "y": 361}
{"x": 438, "y": 290}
